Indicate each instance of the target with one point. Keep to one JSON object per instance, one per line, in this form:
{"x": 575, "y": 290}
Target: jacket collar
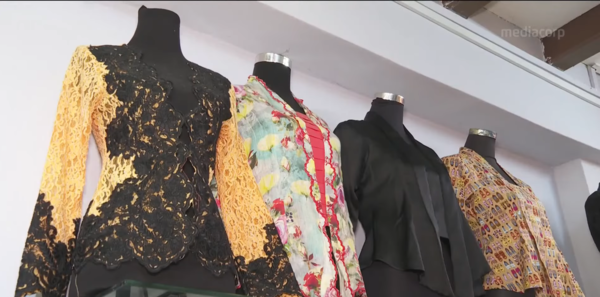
{"x": 276, "y": 102}
{"x": 468, "y": 153}
{"x": 405, "y": 146}
{"x": 389, "y": 131}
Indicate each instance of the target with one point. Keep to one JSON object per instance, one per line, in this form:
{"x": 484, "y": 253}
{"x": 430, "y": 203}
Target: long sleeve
{"x": 479, "y": 267}
{"x": 352, "y": 159}
{"x": 262, "y": 263}
{"x": 459, "y": 183}
{"x": 46, "y": 262}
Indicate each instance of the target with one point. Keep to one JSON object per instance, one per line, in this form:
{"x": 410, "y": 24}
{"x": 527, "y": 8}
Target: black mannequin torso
{"x": 380, "y": 278}
{"x": 393, "y": 113}
{"x": 278, "y": 78}
{"x": 157, "y": 39}
{"x": 486, "y": 147}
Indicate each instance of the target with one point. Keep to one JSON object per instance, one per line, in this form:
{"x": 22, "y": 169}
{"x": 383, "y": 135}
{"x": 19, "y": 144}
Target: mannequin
{"x": 157, "y": 39}
{"x": 401, "y": 193}
{"x": 270, "y": 109}
{"x": 390, "y": 107}
{"x": 274, "y": 70}
{"x": 483, "y": 142}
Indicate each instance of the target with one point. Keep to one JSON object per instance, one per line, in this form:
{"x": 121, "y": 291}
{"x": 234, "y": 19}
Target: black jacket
{"x": 592, "y": 212}
{"x": 385, "y": 187}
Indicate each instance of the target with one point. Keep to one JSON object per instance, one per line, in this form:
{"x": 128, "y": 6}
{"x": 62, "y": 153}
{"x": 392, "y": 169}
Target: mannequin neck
{"x": 392, "y": 112}
{"x": 483, "y": 145}
{"x": 486, "y": 147}
{"x": 157, "y": 35}
{"x": 278, "y": 78}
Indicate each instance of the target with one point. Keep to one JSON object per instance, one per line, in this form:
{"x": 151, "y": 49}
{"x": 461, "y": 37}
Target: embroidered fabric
{"x": 47, "y": 266}
{"x": 50, "y": 239}
{"x": 159, "y": 214}
{"x": 254, "y": 239}
{"x": 145, "y": 207}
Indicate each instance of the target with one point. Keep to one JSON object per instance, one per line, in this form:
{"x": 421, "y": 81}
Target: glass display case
{"x": 130, "y": 288}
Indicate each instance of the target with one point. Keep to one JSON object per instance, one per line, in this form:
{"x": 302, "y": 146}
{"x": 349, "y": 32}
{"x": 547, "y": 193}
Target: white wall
{"x": 37, "y": 42}
{"x": 592, "y": 175}
{"x": 575, "y": 181}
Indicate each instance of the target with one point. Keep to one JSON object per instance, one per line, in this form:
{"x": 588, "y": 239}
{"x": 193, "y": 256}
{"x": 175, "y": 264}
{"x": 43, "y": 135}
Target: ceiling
{"x": 542, "y": 17}
{"x": 595, "y": 59}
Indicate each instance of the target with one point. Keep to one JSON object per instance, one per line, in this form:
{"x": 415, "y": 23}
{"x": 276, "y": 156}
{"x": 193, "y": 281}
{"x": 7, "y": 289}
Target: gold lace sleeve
{"x": 262, "y": 264}
{"x": 46, "y": 262}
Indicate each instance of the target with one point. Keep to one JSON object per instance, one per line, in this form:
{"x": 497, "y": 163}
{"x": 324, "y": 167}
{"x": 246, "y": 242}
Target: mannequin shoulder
{"x": 107, "y": 52}
{"x": 452, "y": 157}
{"x": 212, "y": 77}
{"x": 351, "y": 125}
{"x": 452, "y": 161}
{"x": 592, "y": 203}
{"x": 353, "y": 130}
{"x": 85, "y": 62}
{"x": 345, "y": 128}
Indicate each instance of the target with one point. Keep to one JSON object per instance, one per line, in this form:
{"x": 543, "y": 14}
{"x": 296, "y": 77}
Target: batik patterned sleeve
{"x": 462, "y": 184}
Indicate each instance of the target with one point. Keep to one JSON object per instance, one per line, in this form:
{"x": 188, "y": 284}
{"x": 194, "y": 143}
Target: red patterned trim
{"x": 317, "y": 141}
{"x": 328, "y": 161}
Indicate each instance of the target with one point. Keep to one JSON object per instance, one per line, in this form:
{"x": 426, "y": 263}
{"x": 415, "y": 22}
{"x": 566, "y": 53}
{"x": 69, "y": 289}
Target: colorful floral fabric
{"x": 280, "y": 154}
{"x": 512, "y": 228}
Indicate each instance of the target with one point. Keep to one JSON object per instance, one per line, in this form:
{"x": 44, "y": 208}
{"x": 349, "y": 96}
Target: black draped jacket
{"x": 386, "y": 189}
{"x": 592, "y": 212}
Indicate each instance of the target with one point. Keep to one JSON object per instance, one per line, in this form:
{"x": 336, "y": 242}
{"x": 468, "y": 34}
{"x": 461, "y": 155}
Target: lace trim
{"x": 45, "y": 266}
{"x": 271, "y": 275}
{"x": 334, "y": 230}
